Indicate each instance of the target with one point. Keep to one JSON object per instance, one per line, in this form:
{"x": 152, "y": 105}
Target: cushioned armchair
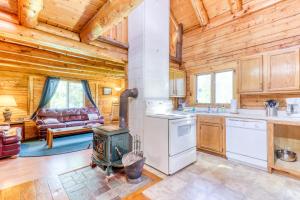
{"x": 10, "y": 142}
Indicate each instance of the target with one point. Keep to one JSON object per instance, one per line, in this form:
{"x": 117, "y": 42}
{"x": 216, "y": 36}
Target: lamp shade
{"x": 7, "y": 101}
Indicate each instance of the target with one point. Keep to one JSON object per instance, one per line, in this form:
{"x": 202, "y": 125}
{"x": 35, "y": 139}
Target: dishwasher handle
{"x": 246, "y": 123}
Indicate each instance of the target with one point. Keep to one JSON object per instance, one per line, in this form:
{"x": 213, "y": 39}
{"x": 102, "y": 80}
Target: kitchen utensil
{"x": 271, "y": 107}
{"x": 286, "y": 155}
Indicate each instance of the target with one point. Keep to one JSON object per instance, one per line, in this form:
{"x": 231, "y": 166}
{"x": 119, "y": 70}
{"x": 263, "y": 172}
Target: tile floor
{"x": 214, "y": 178}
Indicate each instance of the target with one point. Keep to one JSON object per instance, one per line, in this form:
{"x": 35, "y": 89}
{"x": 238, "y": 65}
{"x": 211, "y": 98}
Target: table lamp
{"x": 7, "y": 101}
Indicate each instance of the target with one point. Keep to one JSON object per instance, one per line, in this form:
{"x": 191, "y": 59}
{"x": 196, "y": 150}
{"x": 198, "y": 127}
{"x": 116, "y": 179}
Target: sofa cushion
{"x": 93, "y": 116}
{"x": 51, "y": 121}
{"x": 96, "y": 121}
{"x": 50, "y": 113}
{"x": 10, "y": 140}
{"x": 46, "y": 126}
{"x": 75, "y": 123}
{"x": 69, "y": 118}
{"x": 11, "y": 147}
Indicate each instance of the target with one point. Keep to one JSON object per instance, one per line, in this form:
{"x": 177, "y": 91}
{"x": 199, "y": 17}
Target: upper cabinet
{"x": 276, "y": 71}
{"x": 251, "y": 74}
{"x": 282, "y": 71}
{"x": 177, "y": 83}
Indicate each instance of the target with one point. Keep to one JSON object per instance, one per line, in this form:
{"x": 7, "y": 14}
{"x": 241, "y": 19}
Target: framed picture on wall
{"x": 107, "y": 91}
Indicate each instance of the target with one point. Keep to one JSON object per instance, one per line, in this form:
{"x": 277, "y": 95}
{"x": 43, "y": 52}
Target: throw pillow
{"x": 93, "y": 116}
{"x": 51, "y": 121}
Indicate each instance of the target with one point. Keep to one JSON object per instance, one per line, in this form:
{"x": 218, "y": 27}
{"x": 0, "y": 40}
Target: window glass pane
{"x": 60, "y": 98}
{"x": 224, "y": 87}
{"x": 204, "y": 88}
{"x": 75, "y": 95}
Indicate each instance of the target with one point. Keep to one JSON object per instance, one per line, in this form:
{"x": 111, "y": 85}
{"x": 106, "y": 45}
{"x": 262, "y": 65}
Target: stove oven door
{"x": 182, "y": 135}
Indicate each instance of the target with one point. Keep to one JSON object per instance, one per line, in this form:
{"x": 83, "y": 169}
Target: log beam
{"x": 38, "y": 39}
{"x": 235, "y": 5}
{"x": 110, "y": 14}
{"x": 200, "y": 11}
{"x": 9, "y": 17}
{"x": 29, "y": 11}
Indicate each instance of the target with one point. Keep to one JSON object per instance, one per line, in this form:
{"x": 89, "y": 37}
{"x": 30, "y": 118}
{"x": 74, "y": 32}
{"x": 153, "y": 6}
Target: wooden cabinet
{"x": 30, "y": 130}
{"x": 177, "y": 83}
{"x": 282, "y": 70}
{"x": 251, "y": 74}
{"x": 211, "y": 134}
{"x": 272, "y": 72}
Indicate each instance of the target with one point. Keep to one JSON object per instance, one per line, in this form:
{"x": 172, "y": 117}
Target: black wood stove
{"x": 110, "y": 143}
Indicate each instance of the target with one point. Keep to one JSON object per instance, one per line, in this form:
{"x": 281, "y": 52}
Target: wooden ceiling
{"x": 211, "y": 13}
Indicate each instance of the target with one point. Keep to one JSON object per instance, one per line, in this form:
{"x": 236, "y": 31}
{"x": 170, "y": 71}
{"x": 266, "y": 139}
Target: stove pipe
{"x": 124, "y": 105}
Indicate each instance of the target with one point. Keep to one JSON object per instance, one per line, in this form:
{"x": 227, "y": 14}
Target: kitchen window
{"x": 215, "y": 87}
{"x": 69, "y": 94}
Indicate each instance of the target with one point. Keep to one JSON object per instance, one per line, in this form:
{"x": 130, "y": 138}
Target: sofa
{"x": 10, "y": 144}
{"x": 62, "y": 118}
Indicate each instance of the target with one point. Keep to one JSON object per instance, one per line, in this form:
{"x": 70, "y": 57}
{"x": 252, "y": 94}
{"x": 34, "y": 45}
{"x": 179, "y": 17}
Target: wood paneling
{"x": 274, "y": 27}
{"x": 105, "y": 102}
{"x": 74, "y": 13}
{"x": 256, "y": 101}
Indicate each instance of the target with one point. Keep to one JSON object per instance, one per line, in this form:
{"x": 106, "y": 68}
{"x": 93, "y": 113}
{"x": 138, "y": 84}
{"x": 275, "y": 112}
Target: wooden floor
{"x": 20, "y": 170}
{"x": 37, "y": 178}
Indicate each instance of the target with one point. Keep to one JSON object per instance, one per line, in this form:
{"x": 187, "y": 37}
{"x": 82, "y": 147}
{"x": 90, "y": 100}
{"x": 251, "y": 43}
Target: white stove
{"x": 169, "y": 140}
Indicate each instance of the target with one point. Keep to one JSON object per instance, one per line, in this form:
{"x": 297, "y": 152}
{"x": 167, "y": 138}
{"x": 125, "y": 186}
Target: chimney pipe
{"x": 124, "y": 105}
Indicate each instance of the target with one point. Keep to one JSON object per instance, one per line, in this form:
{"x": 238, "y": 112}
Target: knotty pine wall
{"x": 272, "y": 28}
{"x": 27, "y": 90}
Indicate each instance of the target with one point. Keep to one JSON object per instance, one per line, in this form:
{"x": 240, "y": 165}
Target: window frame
{"x": 68, "y": 94}
{"x": 213, "y": 87}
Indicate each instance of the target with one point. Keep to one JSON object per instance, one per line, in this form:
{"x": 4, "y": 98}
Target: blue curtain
{"x": 87, "y": 92}
{"x": 48, "y": 92}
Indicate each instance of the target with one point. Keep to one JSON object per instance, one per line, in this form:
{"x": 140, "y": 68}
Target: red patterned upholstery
{"x": 10, "y": 144}
{"x": 66, "y": 118}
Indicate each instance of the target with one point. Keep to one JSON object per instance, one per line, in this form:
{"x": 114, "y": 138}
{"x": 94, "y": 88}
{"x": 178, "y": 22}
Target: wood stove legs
{"x": 108, "y": 169}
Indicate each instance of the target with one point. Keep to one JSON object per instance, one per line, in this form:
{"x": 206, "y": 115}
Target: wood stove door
{"x": 100, "y": 147}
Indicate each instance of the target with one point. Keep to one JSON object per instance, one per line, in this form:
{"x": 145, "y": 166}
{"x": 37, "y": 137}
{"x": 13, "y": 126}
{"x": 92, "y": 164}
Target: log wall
{"x": 274, "y": 27}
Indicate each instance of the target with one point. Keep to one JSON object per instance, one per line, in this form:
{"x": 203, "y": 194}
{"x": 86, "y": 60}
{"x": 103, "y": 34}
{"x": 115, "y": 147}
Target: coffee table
{"x": 51, "y": 133}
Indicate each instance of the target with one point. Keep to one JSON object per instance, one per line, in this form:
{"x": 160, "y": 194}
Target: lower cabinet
{"x": 211, "y": 134}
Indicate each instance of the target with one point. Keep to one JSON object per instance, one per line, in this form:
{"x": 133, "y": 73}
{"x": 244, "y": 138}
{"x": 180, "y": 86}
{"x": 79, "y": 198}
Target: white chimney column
{"x": 148, "y": 58}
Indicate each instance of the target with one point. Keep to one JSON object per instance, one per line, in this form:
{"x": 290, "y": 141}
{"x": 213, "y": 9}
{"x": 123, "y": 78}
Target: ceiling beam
{"x": 38, "y": 39}
{"x": 200, "y": 11}
{"x": 110, "y": 14}
{"x": 29, "y": 11}
{"x": 235, "y": 5}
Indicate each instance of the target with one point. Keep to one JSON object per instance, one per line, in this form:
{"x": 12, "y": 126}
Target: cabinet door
{"x": 283, "y": 71}
{"x": 251, "y": 74}
{"x": 172, "y": 87}
{"x": 210, "y": 137}
{"x": 180, "y": 83}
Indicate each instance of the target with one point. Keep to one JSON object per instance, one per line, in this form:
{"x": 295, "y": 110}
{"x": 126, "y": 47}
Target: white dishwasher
{"x": 246, "y": 141}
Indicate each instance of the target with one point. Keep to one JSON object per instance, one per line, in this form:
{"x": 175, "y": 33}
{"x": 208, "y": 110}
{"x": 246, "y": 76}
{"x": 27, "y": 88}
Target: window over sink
{"x": 215, "y": 87}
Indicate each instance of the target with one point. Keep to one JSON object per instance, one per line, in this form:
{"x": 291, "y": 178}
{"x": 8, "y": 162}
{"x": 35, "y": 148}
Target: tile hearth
{"x": 90, "y": 184}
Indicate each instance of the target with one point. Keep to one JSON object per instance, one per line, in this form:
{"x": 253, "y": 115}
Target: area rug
{"x": 88, "y": 183}
{"x": 61, "y": 145}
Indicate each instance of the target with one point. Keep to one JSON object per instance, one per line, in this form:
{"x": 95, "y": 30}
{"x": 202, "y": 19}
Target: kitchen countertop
{"x": 255, "y": 115}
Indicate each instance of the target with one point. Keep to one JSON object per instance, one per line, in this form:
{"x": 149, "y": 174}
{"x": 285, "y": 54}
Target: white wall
{"x": 148, "y": 57}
